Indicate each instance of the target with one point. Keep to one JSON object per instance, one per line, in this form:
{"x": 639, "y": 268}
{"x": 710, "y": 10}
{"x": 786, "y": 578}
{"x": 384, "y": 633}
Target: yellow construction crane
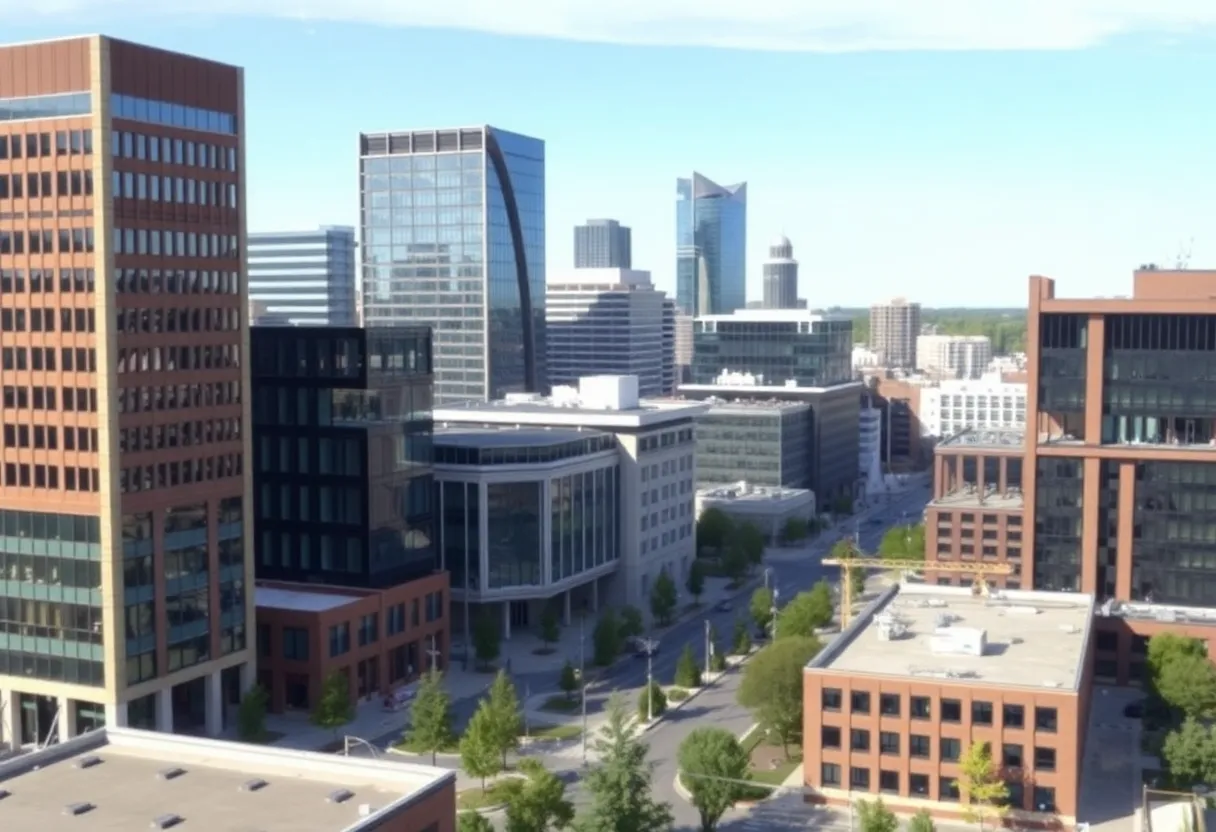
{"x": 977, "y": 570}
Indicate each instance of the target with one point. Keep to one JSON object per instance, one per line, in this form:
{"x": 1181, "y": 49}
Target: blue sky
{"x": 934, "y": 171}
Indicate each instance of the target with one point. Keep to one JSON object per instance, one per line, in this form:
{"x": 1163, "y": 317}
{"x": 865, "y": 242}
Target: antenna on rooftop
{"x": 1183, "y": 260}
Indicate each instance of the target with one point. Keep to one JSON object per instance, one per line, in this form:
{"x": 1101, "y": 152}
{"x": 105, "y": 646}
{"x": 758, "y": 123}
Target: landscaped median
{"x": 767, "y": 767}
{"x": 493, "y": 797}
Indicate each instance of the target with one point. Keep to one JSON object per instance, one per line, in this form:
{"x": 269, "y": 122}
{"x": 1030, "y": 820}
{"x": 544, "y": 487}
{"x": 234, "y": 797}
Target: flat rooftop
{"x": 299, "y": 600}
{"x": 989, "y": 502}
{"x": 543, "y": 411}
{"x": 1010, "y": 439}
{"x": 468, "y": 437}
{"x": 776, "y": 406}
{"x": 1034, "y": 639}
{"x": 127, "y": 790}
{"x": 742, "y": 492}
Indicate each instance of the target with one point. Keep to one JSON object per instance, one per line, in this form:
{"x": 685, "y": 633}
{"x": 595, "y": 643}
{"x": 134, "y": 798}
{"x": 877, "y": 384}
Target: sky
{"x": 941, "y": 150}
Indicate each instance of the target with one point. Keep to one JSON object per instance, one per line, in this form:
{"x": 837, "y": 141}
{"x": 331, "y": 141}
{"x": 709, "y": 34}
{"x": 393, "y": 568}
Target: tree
{"x": 844, "y": 549}
{"x": 1166, "y": 647}
{"x": 507, "y": 719}
{"x": 473, "y": 822}
{"x": 1188, "y": 683}
{"x": 540, "y": 804}
{"x": 761, "y": 608}
{"x": 251, "y": 716}
{"x": 487, "y": 640}
{"x": 652, "y": 702}
{"x": 713, "y": 528}
{"x": 750, "y": 540}
{"x": 733, "y": 561}
{"x": 985, "y": 793}
{"x": 717, "y": 657}
{"x": 714, "y": 768}
{"x": 631, "y": 625}
{"x": 478, "y": 750}
{"x": 688, "y": 674}
{"x": 772, "y": 686}
{"x": 696, "y": 581}
{"x": 430, "y": 717}
{"x": 807, "y": 612}
{"x": 922, "y": 821}
{"x": 663, "y": 598}
{"x": 743, "y": 639}
{"x": 874, "y": 816}
{"x": 334, "y": 708}
{"x": 568, "y": 681}
{"x": 606, "y": 640}
{"x": 619, "y": 785}
{"x": 550, "y": 627}
{"x": 857, "y": 583}
{"x": 1189, "y": 753}
{"x": 795, "y": 529}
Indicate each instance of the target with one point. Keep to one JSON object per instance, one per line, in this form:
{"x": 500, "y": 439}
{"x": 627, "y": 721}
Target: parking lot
{"x": 1111, "y": 765}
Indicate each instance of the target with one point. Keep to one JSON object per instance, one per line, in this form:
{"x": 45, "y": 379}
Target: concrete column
{"x": 215, "y": 705}
{"x": 10, "y": 718}
{"x": 595, "y": 595}
{"x": 116, "y": 715}
{"x": 566, "y": 607}
{"x": 66, "y": 723}
{"x": 248, "y": 678}
{"x": 506, "y": 620}
{"x": 164, "y": 710}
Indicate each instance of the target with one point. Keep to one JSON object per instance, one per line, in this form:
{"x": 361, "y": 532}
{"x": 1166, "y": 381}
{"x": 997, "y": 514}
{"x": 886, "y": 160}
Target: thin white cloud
{"x": 770, "y": 25}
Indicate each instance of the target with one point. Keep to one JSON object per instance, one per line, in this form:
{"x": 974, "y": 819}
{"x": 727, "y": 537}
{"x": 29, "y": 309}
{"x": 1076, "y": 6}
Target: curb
{"x": 693, "y": 693}
{"x": 442, "y": 755}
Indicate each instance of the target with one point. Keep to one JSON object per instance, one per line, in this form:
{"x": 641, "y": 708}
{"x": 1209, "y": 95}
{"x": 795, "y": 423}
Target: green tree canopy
{"x": 772, "y": 686}
{"x": 807, "y": 612}
{"x": 568, "y": 681}
{"x": 1189, "y": 753}
{"x": 742, "y": 644}
{"x": 550, "y": 626}
{"x": 750, "y": 540}
{"x": 430, "y": 717}
{"x": 631, "y": 623}
{"x": 874, "y": 816}
{"x": 1188, "y": 683}
{"x": 985, "y": 793}
{"x": 487, "y": 639}
{"x": 688, "y": 674}
{"x": 540, "y": 804}
{"x": 696, "y": 581}
{"x": 844, "y": 549}
{"x": 473, "y": 822}
{"x": 652, "y": 702}
{"x": 922, "y": 821}
{"x": 663, "y": 598}
{"x": 479, "y": 753}
{"x": 713, "y": 528}
{"x": 761, "y": 607}
{"x": 251, "y": 716}
{"x": 714, "y": 767}
{"x": 506, "y": 717}
{"x": 733, "y": 561}
{"x": 606, "y": 639}
{"x": 903, "y": 543}
{"x": 795, "y": 529}
{"x": 334, "y": 708}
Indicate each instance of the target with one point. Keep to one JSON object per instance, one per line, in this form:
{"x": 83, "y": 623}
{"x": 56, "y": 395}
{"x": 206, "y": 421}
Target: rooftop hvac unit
{"x": 959, "y": 641}
{"x": 890, "y": 628}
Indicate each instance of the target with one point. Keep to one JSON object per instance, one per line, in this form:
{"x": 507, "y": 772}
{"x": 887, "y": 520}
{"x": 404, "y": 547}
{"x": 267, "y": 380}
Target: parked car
{"x": 724, "y": 606}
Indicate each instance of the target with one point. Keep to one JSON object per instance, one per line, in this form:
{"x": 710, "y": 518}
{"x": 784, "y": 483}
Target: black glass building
{"x": 343, "y": 484}
{"x": 774, "y": 346}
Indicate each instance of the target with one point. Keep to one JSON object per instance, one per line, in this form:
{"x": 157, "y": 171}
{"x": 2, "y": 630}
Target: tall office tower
{"x": 711, "y": 243}
{"x": 127, "y": 594}
{"x": 603, "y": 244}
{"x": 454, "y": 239}
{"x": 894, "y": 328}
{"x": 304, "y": 278}
{"x": 954, "y": 356}
{"x": 670, "y": 378}
{"x": 682, "y": 346}
{"x": 781, "y": 276}
{"x": 608, "y": 322}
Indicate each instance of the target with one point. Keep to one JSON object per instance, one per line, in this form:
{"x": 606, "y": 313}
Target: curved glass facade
{"x": 711, "y": 243}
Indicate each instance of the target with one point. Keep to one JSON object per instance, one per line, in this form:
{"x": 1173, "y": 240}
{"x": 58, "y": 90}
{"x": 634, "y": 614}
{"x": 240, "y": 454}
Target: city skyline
{"x": 925, "y": 167}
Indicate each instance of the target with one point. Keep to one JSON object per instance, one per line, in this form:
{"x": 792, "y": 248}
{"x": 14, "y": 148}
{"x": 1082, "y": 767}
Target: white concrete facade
{"x": 955, "y": 356}
{"x": 988, "y": 403}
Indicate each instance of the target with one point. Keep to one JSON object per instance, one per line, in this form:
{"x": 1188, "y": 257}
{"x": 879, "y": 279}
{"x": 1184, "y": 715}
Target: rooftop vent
{"x": 88, "y": 762}
{"x": 340, "y": 795}
{"x": 1069, "y": 628}
{"x": 78, "y": 808}
{"x": 254, "y": 785}
{"x": 366, "y": 810}
{"x": 4, "y": 793}
{"x": 170, "y": 773}
{"x": 167, "y": 821}
{"x": 1051, "y": 684}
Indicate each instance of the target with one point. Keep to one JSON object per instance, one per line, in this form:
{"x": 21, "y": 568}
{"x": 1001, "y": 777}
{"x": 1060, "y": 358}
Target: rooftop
{"x": 277, "y": 598}
{"x": 718, "y": 405}
{"x": 467, "y": 437}
{"x": 742, "y": 491}
{"x": 773, "y": 316}
{"x": 992, "y": 501}
{"x": 132, "y": 779}
{"x": 1013, "y": 439}
{"x": 1032, "y": 639}
{"x": 604, "y": 277}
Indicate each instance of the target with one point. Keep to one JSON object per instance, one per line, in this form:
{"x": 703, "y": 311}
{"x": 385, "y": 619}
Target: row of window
{"x": 167, "y": 242}
{"x": 921, "y": 707}
{"x": 127, "y": 145}
{"x": 172, "y": 474}
{"x": 43, "y": 241}
{"x": 158, "y": 359}
{"x": 182, "y": 434}
{"x": 172, "y": 189}
{"x": 43, "y": 280}
{"x": 46, "y": 437}
{"x": 43, "y": 185}
{"x": 920, "y": 746}
{"x": 145, "y": 321}
{"x": 889, "y": 782}
{"x": 178, "y": 397}
{"x": 44, "y": 358}
{"x": 369, "y": 625}
{"x": 42, "y": 319}
{"x": 47, "y": 398}
{"x": 47, "y": 476}
{"x": 1012, "y": 521}
{"x": 42, "y": 145}
{"x": 176, "y": 282}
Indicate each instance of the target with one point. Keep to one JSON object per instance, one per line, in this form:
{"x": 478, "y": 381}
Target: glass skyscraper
{"x": 453, "y": 230}
{"x": 711, "y": 243}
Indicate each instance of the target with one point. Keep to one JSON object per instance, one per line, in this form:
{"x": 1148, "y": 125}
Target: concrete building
{"x": 869, "y": 445}
{"x": 610, "y": 322}
{"x": 305, "y": 277}
{"x": 682, "y": 346}
{"x": 894, "y": 328}
{"x": 779, "y": 347}
{"x": 120, "y": 778}
{"x": 903, "y": 445}
{"x": 985, "y": 404}
{"x": 711, "y": 246}
{"x": 781, "y": 276}
{"x": 894, "y": 702}
{"x": 764, "y": 441}
{"x": 453, "y": 236}
{"x": 768, "y": 508}
{"x": 863, "y": 358}
{"x": 655, "y": 447}
{"x": 123, "y": 538}
{"x": 953, "y": 356}
{"x": 603, "y": 244}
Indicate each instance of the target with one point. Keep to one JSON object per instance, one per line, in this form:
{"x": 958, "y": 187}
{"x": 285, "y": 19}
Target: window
{"x": 859, "y": 778}
{"x": 918, "y": 784}
{"x": 396, "y": 619}
{"x": 888, "y": 704}
{"x": 1107, "y": 642}
{"x": 829, "y": 774}
{"x": 1044, "y": 799}
{"x": 859, "y": 739}
{"x": 1011, "y": 755}
{"x": 831, "y": 699}
{"x": 981, "y": 713}
{"x": 369, "y": 627}
{"x": 1045, "y": 720}
{"x": 918, "y": 746}
{"x": 952, "y": 710}
{"x": 829, "y": 737}
{"x": 295, "y": 644}
{"x": 888, "y": 742}
{"x": 919, "y": 707}
{"x": 947, "y": 788}
{"x": 859, "y": 702}
{"x": 951, "y": 749}
{"x": 1044, "y": 759}
{"x": 339, "y": 639}
{"x": 888, "y": 781}
{"x": 1014, "y": 716}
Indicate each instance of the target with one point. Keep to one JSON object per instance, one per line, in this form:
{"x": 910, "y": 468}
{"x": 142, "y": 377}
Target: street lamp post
{"x": 582, "y": 677}
{"x": 709, "y": 648}
{"x": 649, "y": 683}
{"x": 433, "y": 652}
{"x": 768, "y": 573}
{"x": 773, "y": 614}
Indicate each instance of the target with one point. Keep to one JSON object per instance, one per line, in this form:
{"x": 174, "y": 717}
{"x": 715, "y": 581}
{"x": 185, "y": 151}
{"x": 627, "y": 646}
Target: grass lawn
{"x": 554, "y": 732}
{"x": 676, "y": 694}
{"x": 495, "y": 794}
{"x": 769, "y": 765}
{"x": 410, "y": 748}
{"x": 561, "y": 704}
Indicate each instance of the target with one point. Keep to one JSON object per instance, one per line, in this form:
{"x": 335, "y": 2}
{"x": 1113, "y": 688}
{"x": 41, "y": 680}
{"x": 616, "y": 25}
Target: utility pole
{"x": 709, "y": 648}
{"x": 582, "y": 676}
{"x": 768, "y": 573}
{"x": 649, "y": 682}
